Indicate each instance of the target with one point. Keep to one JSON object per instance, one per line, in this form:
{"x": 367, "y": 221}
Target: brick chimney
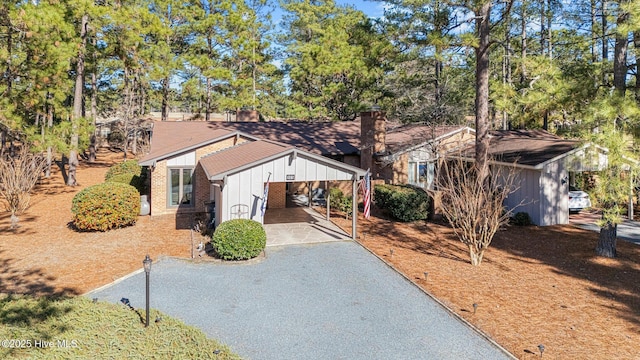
{"x": 373, "y": 135}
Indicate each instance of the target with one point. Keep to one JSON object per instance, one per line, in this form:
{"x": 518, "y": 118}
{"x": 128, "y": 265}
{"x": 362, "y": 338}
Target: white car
{"x": 578, "y": 200}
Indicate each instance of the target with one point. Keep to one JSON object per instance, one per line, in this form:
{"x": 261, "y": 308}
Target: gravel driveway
{"x": 321, "y": 301}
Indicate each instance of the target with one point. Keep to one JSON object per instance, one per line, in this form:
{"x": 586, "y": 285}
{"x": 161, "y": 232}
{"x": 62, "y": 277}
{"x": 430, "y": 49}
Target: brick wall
{"x": 201, "y": 189}
{"x": 401, "y": 170}
{"x": 372, "y": 137}
{"x": 277, "y": 195}
{"x": 159, "y": 190}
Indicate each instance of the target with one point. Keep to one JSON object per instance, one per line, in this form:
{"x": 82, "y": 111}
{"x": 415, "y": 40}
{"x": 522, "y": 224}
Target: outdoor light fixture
{"x": 475, "y": 307}
{"x": 147, "y": 269}
{"x": 541, "y": 348}
{"x": 426, "y": 275}
{"x": 391, "y": 252}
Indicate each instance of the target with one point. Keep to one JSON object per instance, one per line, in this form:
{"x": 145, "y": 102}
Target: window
{"x": 180, "y": 186}
{"x": 421, "y": 173}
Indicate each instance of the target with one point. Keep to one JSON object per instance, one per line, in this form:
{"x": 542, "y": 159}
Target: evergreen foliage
{"x": 404, "y": 203}
{"x": 239, "y": 239}
{"x": 339, "y": 201}
{"x": 125, "y": 167}
{"x": 105, "y": 206}
{"x": 521, "y": 218}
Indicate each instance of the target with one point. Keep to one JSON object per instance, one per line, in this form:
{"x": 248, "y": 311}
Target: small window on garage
{"x": 180, "y": 182}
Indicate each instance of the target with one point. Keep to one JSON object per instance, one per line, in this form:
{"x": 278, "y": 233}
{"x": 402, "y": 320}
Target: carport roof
{"x": 240, "y": 155}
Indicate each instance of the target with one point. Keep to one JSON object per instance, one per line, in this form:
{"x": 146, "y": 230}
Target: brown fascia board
{"x": 290, "y": 150}
{"x": 539, "y": 166}
{"x": 152, "y": 162}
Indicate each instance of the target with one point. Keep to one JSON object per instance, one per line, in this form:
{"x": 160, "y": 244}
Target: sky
{"x": 374, "y": 9}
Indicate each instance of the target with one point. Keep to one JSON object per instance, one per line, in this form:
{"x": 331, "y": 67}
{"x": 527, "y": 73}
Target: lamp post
{"x": 147, "y": 269}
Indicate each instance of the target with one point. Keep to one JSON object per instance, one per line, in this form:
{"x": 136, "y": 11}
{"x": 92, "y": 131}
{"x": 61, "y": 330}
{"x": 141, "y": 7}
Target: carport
{"x": 300, "y": 225}
{"x": 241, "y": 177}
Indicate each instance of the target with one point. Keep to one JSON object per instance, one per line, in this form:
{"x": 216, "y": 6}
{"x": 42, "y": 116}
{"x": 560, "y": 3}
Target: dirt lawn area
{"x": 536, "y": 285}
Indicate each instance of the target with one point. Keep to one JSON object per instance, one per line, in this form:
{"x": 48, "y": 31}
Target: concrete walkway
{"x": 323, "y": 301}
{"x": 299, "y": 225}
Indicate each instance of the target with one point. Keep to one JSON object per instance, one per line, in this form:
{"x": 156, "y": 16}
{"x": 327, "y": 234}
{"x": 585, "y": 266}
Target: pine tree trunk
{"x": 77, "y": 104}
{"x": 94, "y": 106}
{"x": 607, "y": 241}
{"x": 165, "y": 99}
{"x": 636, "y": 45}
{"x": 482, "y": 91}
{"x": 620, "y": 57}
{"x": 208, "y": 101}
{"x": 523, "y": 44}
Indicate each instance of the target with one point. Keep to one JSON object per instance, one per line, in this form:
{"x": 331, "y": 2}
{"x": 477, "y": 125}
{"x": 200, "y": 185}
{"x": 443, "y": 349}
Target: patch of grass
{"x": 79, "y": 328}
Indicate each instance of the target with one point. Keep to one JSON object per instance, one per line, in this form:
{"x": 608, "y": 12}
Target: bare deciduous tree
{"x": 18, "y": 175}
{"x": 472, "y": 205}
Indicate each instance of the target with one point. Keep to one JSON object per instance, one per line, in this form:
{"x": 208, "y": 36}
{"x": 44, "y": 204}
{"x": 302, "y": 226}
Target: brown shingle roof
{"x": 171, "y": 137}
{"x": 324, "y": 138}
{"x": 407, "y": 136}
{"x": 527, "y": 147}
{"x": 235, "y": 157}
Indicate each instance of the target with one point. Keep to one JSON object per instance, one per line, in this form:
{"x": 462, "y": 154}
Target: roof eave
{"x": 352, "y": 169}
{"x": 148, "y": 162}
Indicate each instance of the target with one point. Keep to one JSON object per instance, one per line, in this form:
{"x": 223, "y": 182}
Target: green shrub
{"x": 105, "y": 206}
{"x": 128, "y": 172}
{"x": 126, "y": 167}
{"x": 239, "y": 239}
{"x": 521, "y": 219}
{"x": 339, "y": 201}
{"x": 130, "y": 179}
{"x": 403, "y": 202}
{"x": 335, "y": 197}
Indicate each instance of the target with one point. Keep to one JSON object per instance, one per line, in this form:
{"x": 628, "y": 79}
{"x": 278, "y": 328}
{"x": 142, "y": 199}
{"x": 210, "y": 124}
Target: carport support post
{"x": 326, "y": 198}
{"x": 354, "y": 206}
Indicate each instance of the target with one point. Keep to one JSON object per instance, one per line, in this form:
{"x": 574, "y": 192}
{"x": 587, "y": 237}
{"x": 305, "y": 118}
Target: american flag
{"x": 365, "y": 187}
{"x": 263, "y": 206}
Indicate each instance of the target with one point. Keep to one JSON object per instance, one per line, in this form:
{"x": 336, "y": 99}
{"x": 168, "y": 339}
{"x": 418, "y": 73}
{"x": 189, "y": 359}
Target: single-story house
{"x": 543, "y": 163}
{"x": 222, "y": 168}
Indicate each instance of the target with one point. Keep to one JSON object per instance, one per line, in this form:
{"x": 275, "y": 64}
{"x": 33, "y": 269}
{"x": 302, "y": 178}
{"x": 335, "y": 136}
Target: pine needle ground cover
{"x": 78, "y": 328}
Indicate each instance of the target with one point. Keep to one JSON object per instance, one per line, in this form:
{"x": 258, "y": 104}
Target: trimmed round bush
{"x": 125, "y": 167}
{"x": 404, "y": 202}
{"x": 128, "y": 172}
{"x": 239, "y": 239}
{"x": 130, "y": 179}
{"x": 105, "y": 206}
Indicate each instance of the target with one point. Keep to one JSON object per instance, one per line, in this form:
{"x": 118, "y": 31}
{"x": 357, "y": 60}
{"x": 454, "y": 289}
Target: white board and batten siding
{"x": 543, "y": 194}
{"x": 554, "y": 194}
{"x": 187, "y": 159}
{"x": 526, "y": 196}
{"x": 244, "y": 190}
